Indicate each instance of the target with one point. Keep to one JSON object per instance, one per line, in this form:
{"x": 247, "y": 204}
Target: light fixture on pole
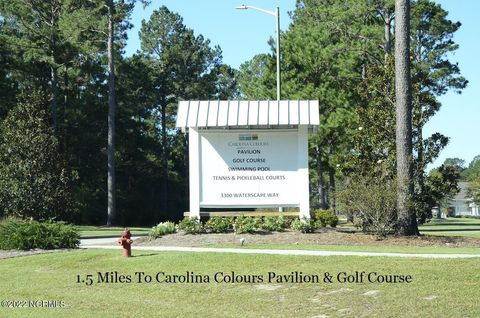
{"x": 276, "y": 14}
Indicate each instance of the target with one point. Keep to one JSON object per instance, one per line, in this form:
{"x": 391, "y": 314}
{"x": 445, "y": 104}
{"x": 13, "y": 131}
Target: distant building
{"x": 461, "y": 204}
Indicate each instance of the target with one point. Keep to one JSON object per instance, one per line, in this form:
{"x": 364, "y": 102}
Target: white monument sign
{"x": 248, "y": 154}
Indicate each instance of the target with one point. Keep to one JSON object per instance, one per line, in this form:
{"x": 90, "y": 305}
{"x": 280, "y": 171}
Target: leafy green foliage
{"x": 441, "y": 185}
{"x": 257, "y": 79}
{"x": 34, "y": 179}
{"x": 175, "y": 64}
{"x": 432, "y": 41}
{"x": 219, "y": 224}
{"x": 341, "y": 54}
{"x": 322, "y": 53}
{"x": 432, "y": 75}
{"x": 191, "y": 225}
{"x": 8, "y": 86}
{"x": 182, "y": 64}
{"x": 162, "y": 229}
{"x": 471, "y": 172}
{"x": 30, "y": 234}
{"x": 246, "y": 224}
{"x": 326, "y": 217}
{"x": 374, "y": 145}
{"x": 274, "y": 223}
{"x": 304, "y": 225}
{"x": 474, "y": 190}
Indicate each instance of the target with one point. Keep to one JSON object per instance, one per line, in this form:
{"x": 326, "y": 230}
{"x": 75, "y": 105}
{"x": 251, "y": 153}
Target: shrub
{"x": 190, "y": 225}
{"x": 303, "y": 225}
{"x": 218, "y": 224}
{"x": 26, "y": 235}
{"x": 246, "y": 224}
{"x": 162, "y": 229}
{"x": 326, "y": 217}
{"x": 273, "y": 223}
{"x": 287, "y": 221}
{"x": 373, "y": 203}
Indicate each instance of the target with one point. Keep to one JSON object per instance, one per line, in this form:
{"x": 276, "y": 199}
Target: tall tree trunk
{"x": 111, "y": 119}
{"x": 65, "y": 83}
{"x": 53, "y": 68}
{"x": 321, "y": 183}
{"x": 54, "y": 88}
{"x": 164, "y": 156}
{"x": 333, "y": 200}
{"x": 406, "y": 220}
{"x": 65, "y": 103}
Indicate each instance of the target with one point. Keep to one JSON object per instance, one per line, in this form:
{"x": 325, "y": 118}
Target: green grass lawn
{"x": 452, "y": 227}
{"x": 440, "y": 288}
{"x": 444, "y": 227}
{"x": 451, "y": 224}
{"x": 358, "y": 248}
{"x": 89, "y": 230}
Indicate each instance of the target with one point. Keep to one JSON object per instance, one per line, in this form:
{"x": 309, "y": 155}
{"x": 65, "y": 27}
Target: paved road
{"x": 87, "y": 245}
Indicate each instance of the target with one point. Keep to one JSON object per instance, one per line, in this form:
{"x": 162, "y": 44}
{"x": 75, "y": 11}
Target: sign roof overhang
{"x": 244, "y": 114}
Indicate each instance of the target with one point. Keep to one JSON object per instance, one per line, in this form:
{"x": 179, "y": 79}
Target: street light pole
{"x": 276, "y": 14}
{"x": 278, "y": 54}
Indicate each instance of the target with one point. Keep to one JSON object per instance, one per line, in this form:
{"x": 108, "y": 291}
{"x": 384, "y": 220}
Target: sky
{"x": 459, "y": 117}
{"x": 241, "y": 34}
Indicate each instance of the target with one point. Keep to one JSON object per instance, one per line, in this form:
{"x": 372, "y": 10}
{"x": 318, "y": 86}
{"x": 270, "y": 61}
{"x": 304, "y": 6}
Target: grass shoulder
{"x": 55, "y": 276}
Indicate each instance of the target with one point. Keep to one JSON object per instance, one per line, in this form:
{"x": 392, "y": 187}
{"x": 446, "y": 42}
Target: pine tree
{"x": 181, "y": 66}
{"x": 407, "y": 222}
{"x": 34, "y": 179}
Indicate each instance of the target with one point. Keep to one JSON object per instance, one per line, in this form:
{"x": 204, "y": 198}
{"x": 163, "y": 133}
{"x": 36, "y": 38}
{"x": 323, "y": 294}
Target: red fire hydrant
{"x": 126, "y": 243}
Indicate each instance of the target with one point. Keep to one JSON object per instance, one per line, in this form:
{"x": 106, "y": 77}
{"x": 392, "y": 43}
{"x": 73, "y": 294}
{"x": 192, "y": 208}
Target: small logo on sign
{"x": 246, "y": 137}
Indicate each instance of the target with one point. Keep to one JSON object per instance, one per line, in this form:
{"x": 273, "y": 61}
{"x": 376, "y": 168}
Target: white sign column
{"x": 303, "y": 177}
{"x": 194, "y": 162}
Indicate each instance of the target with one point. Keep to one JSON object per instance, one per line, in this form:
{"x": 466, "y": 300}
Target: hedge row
{"x": 245, "y": 224}
{"x": 29, "y": 234}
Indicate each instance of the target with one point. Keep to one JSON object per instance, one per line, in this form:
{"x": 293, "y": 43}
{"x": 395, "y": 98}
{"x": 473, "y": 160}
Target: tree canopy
{"x": 100, "y": 111}
{"x": 341, "y": 53}
{"x": 60, "y": 50}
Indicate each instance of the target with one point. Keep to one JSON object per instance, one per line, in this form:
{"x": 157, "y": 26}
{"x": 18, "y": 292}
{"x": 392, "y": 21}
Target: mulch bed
{"x": 326, "y": 236}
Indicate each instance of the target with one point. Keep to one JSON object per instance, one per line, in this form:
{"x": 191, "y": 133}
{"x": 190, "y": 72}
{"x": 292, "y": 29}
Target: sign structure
{"x": 249, "y": 169}
{"x": 247, "y": 166}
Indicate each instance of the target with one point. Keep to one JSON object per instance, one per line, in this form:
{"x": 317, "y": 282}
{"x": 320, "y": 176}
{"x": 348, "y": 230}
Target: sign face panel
{"x": 249, "y": 168}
